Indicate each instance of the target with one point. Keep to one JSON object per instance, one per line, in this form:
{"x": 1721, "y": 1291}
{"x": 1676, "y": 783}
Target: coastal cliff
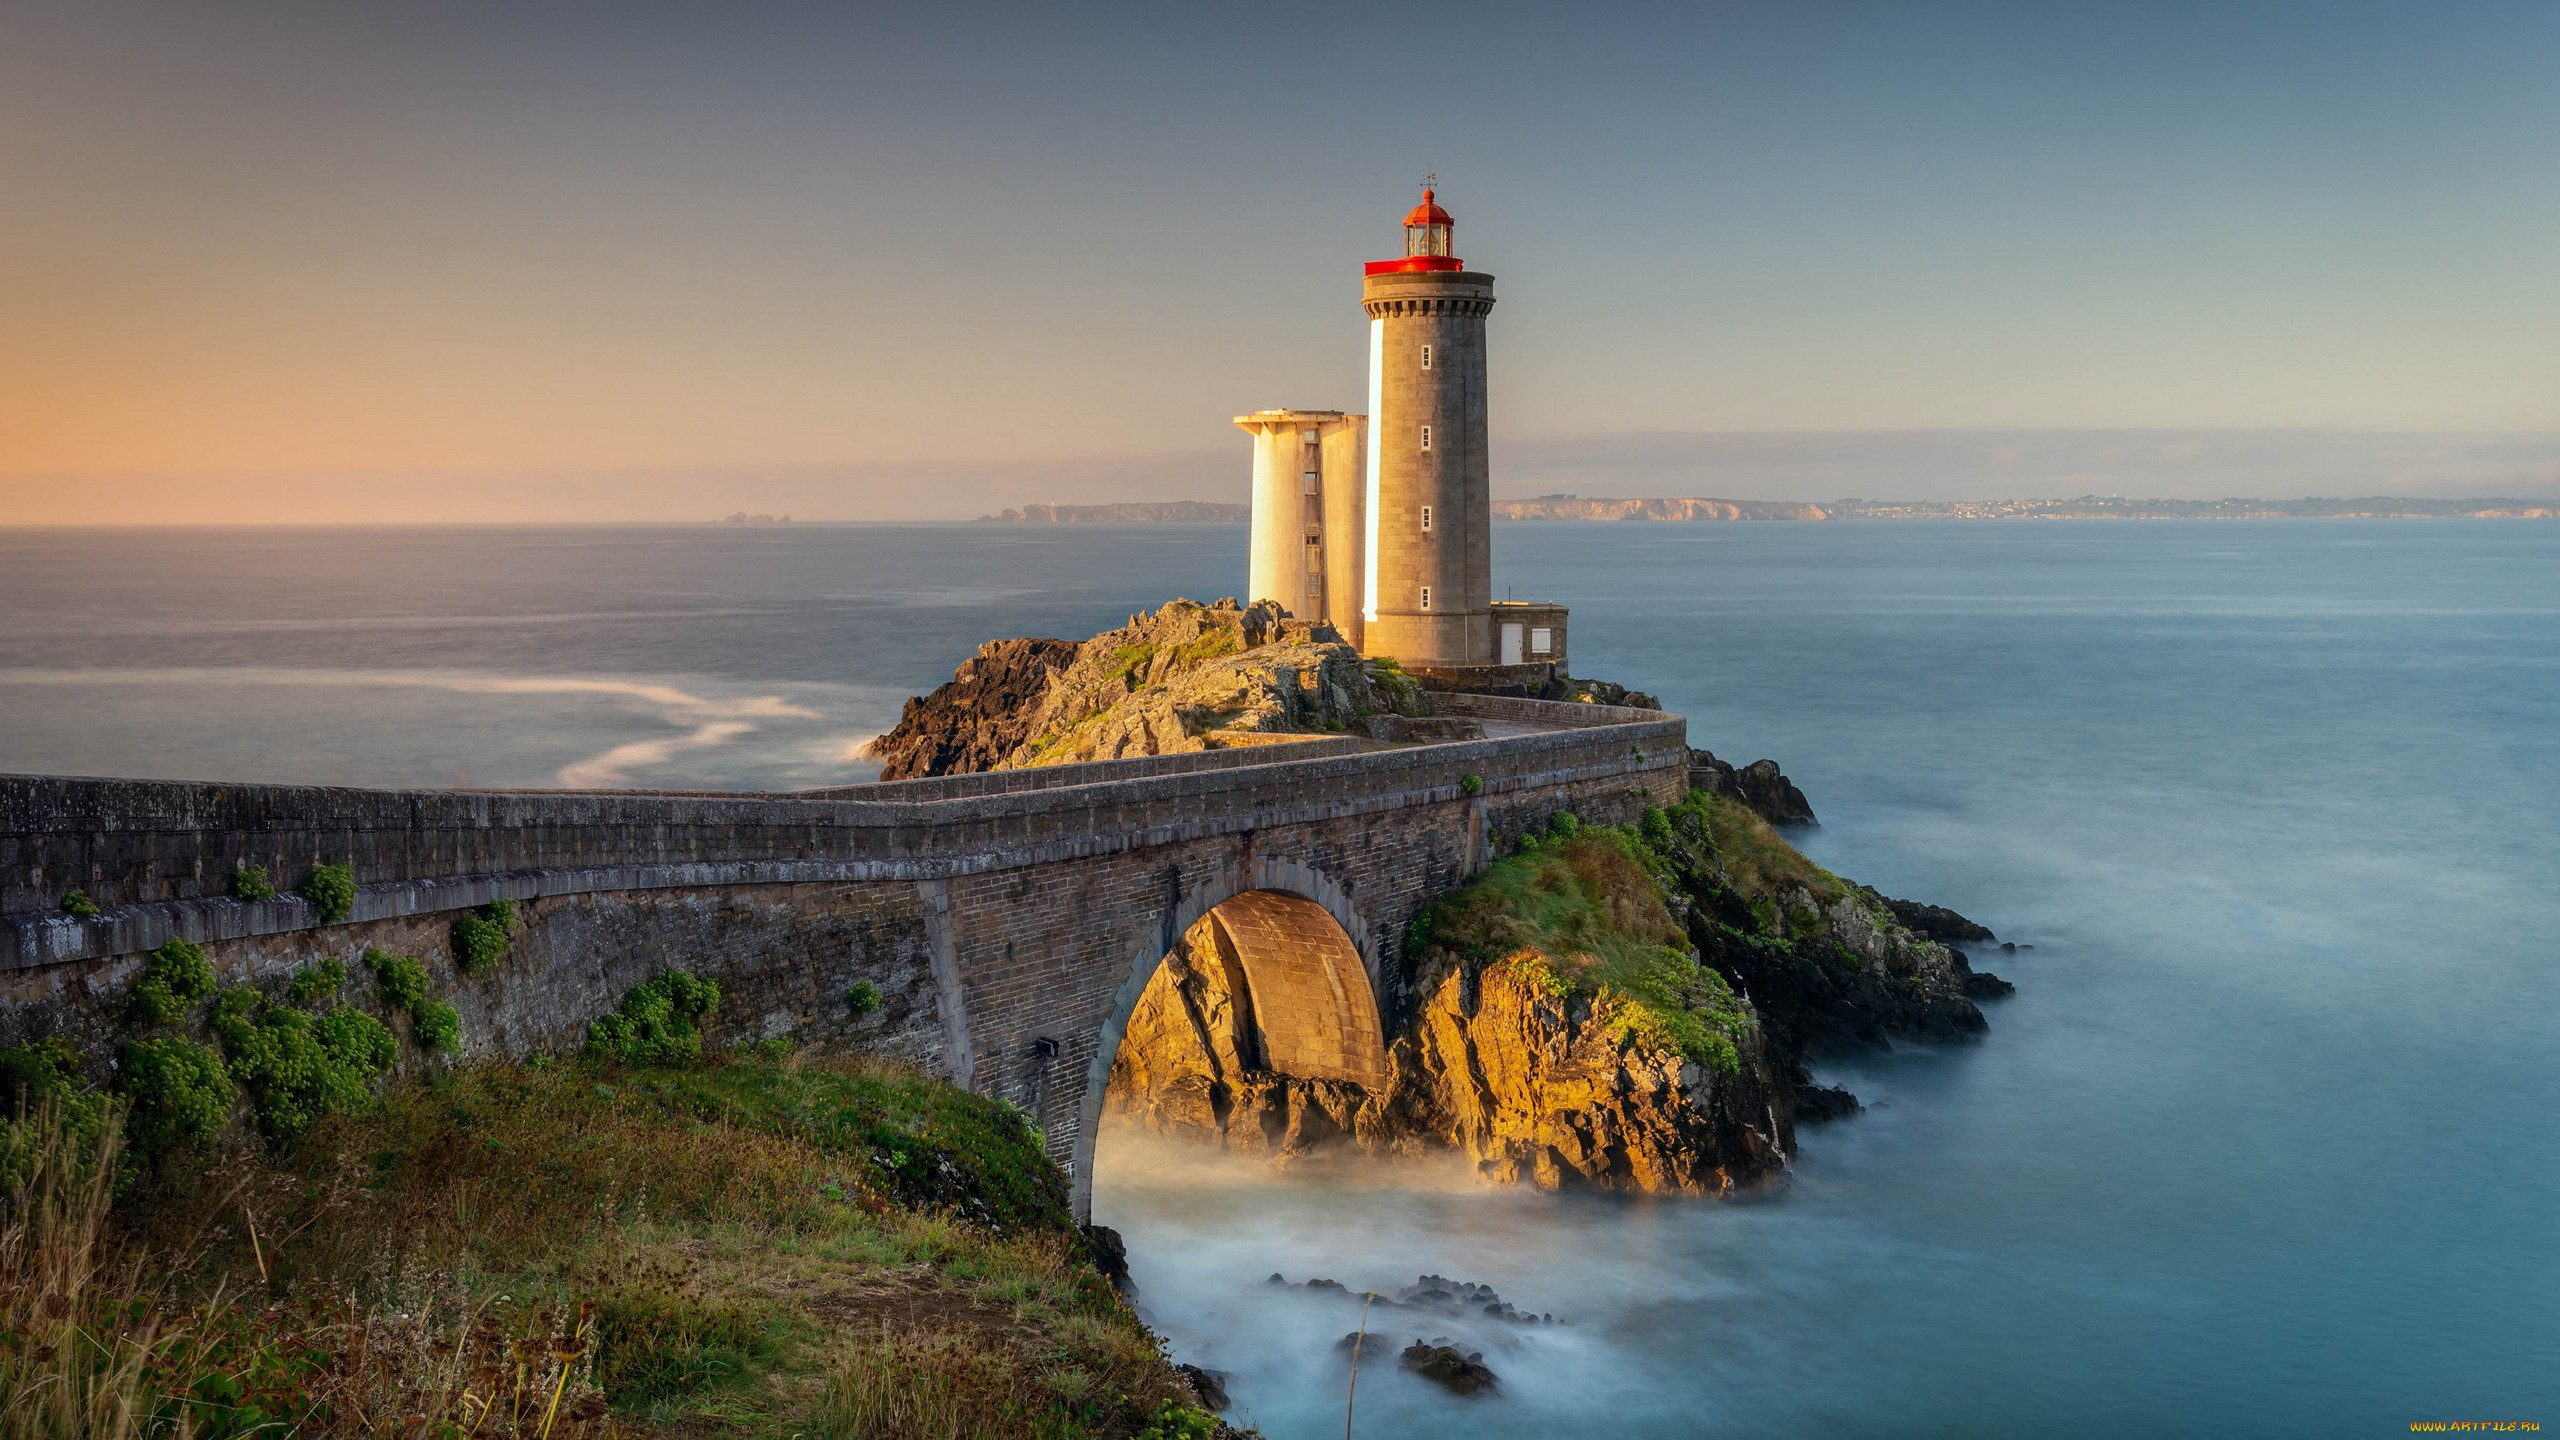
{"x": 1611, "y": 1009}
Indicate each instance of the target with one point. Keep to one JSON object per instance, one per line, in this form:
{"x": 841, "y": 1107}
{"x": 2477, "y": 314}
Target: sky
{"x": 347, "y": 261}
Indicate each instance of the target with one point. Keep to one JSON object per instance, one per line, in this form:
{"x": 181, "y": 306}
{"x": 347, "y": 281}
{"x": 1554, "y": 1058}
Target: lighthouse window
{"x": 1309, "y": 436}
{"x": 1311, "y": 482}
{"x": 1426, "y": 517}
{"x": 1426, "y": 597}
{"x": 1426, "y": 437}
{"x": 1426, "y": 357}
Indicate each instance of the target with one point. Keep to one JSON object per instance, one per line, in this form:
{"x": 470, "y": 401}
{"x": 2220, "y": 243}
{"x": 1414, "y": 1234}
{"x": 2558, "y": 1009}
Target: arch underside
{"x": 1314, "y": 1014}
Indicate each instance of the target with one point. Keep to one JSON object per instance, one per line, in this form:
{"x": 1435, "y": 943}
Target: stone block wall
{"x": 990, "y": 922}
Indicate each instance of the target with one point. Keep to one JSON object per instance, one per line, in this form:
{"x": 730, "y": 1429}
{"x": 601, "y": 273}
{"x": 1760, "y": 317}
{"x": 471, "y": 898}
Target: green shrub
{"x": 176, "y": 978}
{"x": 864, "y": 998}
{"x": 436, "y": 1025}
{"x": 480, "y": 939}
{"x": 298, "y": 1068}
{"x": 331, "y": 889}
{"x": 79, "y": 906}
{"x": 250, "y": 883}
{"x": 179, "y": 1090}
{"x": 400, "y": 979}
{"x": 659, "y": 1023}
{"x": 46, "y": 1072}
{"x": 1655, "y": 828}
{"x": 1177, "y": 1421}
{"x": 319, "y": 982}
{"x": 1565, "y": 825}
{"x": 1472, "y": 784}
{"x": 1673, "y": 1003}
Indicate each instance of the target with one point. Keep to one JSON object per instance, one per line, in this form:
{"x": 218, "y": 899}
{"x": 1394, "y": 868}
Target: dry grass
{"x": 570, "y": 1252}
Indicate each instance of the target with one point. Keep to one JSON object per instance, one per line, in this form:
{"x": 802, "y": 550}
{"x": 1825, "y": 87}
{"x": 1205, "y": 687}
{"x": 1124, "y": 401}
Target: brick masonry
{"x": 992, "y": 919}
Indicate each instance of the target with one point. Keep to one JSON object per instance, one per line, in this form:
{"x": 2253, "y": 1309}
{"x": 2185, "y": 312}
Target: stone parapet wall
{"x": 1091, "y": 772}
{"x": 1560, "y": 714}
{"x": 169, "y": 847}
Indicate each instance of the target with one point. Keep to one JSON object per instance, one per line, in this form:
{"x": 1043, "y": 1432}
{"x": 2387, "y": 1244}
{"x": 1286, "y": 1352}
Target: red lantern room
{"x": 1426, "y": 239}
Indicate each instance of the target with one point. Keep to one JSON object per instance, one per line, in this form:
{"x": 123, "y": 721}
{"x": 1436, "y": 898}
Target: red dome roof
{"x": 1428, "y": 213}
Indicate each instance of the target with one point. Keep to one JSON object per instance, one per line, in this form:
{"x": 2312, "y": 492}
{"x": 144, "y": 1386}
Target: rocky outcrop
{"x": 1598, "y": 1010}
{"x": 1186, "y": 677}
{"x": 1200, "y": 677}
{"x": 1539, "y": 1084}
{"x": 1760, "y": 785}
{"x": 1932, "y": 922}
{"x": 1502, "y": 1064}
{"x": 982, "y": 715}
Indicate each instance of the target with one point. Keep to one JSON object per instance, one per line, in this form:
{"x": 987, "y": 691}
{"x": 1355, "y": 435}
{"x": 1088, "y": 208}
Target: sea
{"x": 2266, "y": 1144}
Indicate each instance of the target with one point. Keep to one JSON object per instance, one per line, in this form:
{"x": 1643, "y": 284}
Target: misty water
{"x": 2264, "y": 1145}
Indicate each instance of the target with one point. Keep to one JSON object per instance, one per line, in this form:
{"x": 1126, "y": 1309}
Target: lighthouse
{"x": 1382, "y": 524}
{"x": 1427, "y": 596}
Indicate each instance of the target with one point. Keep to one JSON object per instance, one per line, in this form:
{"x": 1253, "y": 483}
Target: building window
{"x": 1309, "y": 436}
{"x": 1426, "y": 357}
{"x": 1426, "y": 517}
{"x": 1541, "y": 641}
{"x": 1311, "y": 482}
{"x": 1426, "y": 437}
{"x": 1426, "y": 597}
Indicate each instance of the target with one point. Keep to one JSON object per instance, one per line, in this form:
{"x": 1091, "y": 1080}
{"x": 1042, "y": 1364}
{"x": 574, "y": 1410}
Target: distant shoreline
{"x": 2085, "y": 507}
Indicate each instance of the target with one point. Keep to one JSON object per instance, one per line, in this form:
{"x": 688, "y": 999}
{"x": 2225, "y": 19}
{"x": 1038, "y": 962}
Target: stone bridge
{"x": 1009, "y": 920}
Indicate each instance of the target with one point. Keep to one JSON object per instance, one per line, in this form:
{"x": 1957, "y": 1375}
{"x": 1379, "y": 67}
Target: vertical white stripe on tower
{"x": 1369, "y": 517}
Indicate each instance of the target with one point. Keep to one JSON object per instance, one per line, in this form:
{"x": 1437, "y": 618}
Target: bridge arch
{"x": 1311, "y": 962}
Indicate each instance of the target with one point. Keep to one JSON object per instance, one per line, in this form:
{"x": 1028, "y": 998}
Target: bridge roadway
{"x": 1010, "y": 920}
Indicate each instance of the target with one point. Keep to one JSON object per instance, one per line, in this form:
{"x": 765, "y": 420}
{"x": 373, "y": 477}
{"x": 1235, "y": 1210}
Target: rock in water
{"x": 1760, "y": 785}
{"x": 1933, "y": 922}
{"x": 1372, "y": 1346}
{"x": 1110, "y": 1256}
{"x": 1441, "y": 1363}
{"x": 1818, "y": 1103}
{"x": 1209, "y": 1387}
{"x": 978, "y": 718}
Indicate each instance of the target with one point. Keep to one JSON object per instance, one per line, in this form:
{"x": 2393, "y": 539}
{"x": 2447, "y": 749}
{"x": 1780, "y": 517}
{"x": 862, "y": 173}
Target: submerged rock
{"x": 1444, "y": 1365}
{"x": 1371, "y": 1346}
{"x": 1818, "y": 1103}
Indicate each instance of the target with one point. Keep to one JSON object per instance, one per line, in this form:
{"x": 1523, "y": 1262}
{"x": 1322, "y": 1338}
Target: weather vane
{"x": 1431, "y": 181}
